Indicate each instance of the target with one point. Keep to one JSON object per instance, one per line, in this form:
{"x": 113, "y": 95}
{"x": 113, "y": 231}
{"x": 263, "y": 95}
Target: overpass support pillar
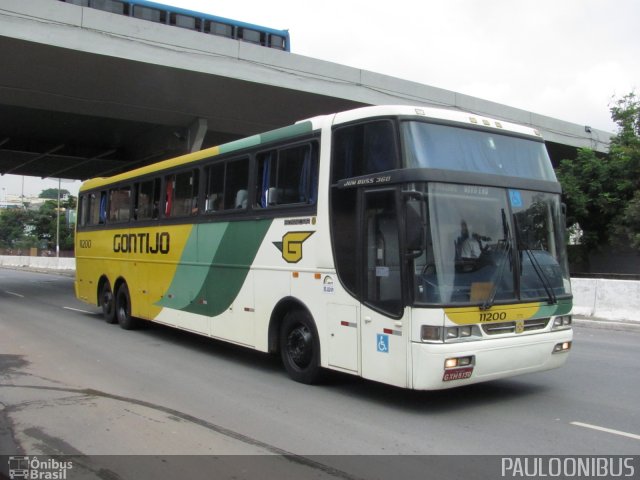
{"x": 197, "y": 131}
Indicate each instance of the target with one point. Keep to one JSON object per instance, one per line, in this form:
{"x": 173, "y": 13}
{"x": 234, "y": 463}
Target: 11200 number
{"x": 493, "y": 316}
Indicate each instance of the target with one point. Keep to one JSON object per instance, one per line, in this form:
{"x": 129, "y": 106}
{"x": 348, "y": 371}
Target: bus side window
{"x": 93, "y": 209}
{"x": 182, "y": 194}
{"x": 236, "y": 183}
{"x": 287, "y": 176}
{"x": 227, "y": 185}
{"x": 215, "y": 188}
{"x": 169, "y": 183}
{"x": 82, "y": 210}
{"x": 120, "y": 204}
{"x": 364, "y": 149}
{"x": 147, "y": 198}
{"x": 102, "y": 208}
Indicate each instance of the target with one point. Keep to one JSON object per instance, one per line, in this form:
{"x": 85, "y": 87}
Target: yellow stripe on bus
{"x": 498, "y": 313}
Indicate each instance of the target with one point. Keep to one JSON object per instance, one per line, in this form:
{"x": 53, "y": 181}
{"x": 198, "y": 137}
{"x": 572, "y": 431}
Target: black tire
{"x": 123, "y": 309}
{"x": 300, "y": 348}
{"x": 108, "y": 303}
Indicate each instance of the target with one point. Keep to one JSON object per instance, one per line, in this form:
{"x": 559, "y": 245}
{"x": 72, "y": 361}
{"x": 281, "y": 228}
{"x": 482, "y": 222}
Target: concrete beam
{"x": 197, "y": 132}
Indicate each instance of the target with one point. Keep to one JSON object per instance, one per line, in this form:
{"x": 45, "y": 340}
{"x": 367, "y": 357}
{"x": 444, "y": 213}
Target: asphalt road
{"x": 70, "y": 384}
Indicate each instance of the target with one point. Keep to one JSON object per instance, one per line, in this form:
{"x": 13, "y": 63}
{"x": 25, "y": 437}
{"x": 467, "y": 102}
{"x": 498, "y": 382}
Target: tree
{"x": 52, "y": 193}
{"x": 45, "y": 224}
{"x": 625, "y": 150}
{"x": 14, "y": 227}
{"x": 601, "y": 192}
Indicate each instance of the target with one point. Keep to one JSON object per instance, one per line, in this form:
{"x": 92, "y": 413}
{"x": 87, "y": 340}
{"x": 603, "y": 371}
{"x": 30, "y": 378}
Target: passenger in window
{"x": 217, "y": 204}
{"x": 242, "y": 198}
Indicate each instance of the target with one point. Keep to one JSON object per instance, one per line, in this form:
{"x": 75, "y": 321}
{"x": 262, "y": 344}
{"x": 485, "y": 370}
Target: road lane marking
{"x": 81, "y": 311}
{"x": 14, "y": 294}
{"x": 608, "y": 430}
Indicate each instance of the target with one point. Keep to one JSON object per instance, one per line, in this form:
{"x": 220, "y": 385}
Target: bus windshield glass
{"x": 429, "y": 145}
{"x": 487, "y": 244}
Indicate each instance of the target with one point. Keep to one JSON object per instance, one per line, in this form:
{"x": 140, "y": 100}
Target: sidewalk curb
{"x": 51, "y": 271}
{"x": 604, "y": 324}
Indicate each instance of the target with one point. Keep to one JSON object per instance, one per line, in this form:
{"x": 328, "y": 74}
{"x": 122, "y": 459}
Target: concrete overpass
{"x": 85, "y": 92}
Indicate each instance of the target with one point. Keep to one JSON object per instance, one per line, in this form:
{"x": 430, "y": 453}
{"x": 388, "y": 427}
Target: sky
{"x": 562, "y": 58}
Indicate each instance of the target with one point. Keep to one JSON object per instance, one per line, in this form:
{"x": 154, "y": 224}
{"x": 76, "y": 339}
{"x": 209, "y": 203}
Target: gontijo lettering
{"x": 141, "y": 243}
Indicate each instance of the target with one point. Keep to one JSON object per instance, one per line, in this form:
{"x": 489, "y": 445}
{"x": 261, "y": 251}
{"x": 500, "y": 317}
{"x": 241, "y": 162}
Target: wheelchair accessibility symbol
{"x": 383, "y": 343}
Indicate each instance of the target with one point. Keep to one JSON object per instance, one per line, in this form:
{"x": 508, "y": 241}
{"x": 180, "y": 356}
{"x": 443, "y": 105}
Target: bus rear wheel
{"x": 123, "y": 309}
{"x": 107, "y": 302}
{"x": 300, "y": 348}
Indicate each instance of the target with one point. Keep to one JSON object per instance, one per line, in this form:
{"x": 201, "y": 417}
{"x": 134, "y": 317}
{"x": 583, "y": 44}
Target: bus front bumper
{"x": 489, "y": 359}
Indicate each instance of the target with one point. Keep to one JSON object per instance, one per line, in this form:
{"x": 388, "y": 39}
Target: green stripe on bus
{"x": 225, "y": 252}
{"x": 272, "y": 136}
{"x": 285, "y": 132}
{"x": 561, "y": 308}
{"x": 240, "y": 144}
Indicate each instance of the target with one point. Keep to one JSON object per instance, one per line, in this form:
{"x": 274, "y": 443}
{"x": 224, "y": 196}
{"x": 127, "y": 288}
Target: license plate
{"x": 457, "y": 374}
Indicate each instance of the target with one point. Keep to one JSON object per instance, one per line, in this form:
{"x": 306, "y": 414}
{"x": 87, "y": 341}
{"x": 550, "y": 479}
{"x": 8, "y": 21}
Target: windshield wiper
{"x": 546, "y": 284}
{"x": 506, "y": 249}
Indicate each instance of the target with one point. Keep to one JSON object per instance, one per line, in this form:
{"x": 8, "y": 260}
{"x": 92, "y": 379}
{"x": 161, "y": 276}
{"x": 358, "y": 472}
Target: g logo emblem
{"x": 291, "y": 246}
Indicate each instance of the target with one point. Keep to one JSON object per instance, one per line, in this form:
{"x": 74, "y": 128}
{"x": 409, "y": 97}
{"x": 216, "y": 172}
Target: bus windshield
{"x": 429, "y": 145}
{"x": 488, "y": 244}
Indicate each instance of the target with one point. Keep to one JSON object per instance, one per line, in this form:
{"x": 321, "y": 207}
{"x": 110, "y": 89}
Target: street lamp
{"x": 58, "y": 223}
{"x": 58, "y": 218}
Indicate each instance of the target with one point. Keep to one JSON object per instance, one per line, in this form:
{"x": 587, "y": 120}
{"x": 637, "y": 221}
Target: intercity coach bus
{"x": 417, "y": 247}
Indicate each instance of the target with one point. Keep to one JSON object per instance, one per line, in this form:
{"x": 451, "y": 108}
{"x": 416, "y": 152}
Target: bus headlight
{"x": 562, "y": 321}
{"x": 429, "y": 333}
{"x": 467, "y": 332}
{"x": 452, "y": 332}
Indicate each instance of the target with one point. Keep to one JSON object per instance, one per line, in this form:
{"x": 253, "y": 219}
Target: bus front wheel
{"x": 123, "y": 308}
{"x": 107, "y": 302}
{"x": 300, "y": 347}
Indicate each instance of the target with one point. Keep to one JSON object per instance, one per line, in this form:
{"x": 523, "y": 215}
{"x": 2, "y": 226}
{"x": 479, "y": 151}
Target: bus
{"x": 190, "y": 20}
{"x": 417, "y": 247}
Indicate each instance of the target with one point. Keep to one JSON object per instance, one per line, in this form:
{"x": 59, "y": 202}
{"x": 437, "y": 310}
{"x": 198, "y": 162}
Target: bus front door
{"x": 383, "y": 335}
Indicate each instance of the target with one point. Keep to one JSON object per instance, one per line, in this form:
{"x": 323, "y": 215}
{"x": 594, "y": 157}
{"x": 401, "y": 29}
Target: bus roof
{"x": 315, "y": 123}
{"x": 447, "y": 115}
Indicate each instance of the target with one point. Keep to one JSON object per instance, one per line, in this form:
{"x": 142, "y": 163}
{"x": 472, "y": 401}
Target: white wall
{"x": 608, "y": 299}
{"x": 39, "y": 263}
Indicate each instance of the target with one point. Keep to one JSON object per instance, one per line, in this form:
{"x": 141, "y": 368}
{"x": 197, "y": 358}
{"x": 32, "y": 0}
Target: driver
{"x": 468, "y": 246}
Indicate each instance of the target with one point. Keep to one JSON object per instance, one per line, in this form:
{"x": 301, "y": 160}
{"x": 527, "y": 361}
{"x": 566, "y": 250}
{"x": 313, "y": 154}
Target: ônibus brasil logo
{"x": 35, "y": 468}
